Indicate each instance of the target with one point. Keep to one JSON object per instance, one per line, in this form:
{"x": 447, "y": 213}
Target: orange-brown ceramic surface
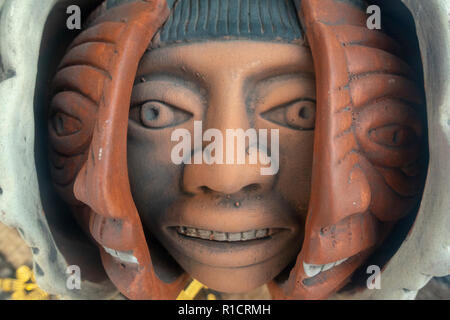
{"x": 367, "y": 145}
{"x": 96, "y": 78}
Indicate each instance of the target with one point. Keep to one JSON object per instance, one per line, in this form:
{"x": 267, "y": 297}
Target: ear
{"x": 91, "y": 104}
{"x": 368, "y": 142}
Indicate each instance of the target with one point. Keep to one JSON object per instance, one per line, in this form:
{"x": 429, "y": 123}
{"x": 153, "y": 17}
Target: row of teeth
{"x": 124, "y": 256}
{"x": 225, "y": 236}
{"x": 312, "y": 270}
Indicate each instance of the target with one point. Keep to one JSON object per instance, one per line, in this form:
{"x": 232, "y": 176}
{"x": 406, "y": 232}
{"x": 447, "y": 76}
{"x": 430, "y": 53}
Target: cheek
{"x": 154, "y": 179}
{"x": 294, "y": 180}
{"x": 296, "y": 153}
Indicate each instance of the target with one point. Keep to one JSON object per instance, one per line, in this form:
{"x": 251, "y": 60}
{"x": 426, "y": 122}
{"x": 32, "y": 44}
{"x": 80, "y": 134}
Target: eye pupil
{"x": 158, "y": 115}
{"x": 396, "y": 137}
{"x": 304, "y": 112}
{"x": 59, "y": 123}
{"x": 151, "y": 113}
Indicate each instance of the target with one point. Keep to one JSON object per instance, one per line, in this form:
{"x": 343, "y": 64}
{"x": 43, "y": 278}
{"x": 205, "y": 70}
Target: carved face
{"x": 248, "y": 226}
{"x": 228, "y": 225}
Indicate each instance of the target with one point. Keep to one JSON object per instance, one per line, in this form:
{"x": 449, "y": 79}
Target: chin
{"x": 236, "y": 279}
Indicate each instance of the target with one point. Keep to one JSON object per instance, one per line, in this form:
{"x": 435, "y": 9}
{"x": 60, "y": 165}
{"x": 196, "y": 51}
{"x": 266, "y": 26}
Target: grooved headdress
{"x": 202, "y": 20}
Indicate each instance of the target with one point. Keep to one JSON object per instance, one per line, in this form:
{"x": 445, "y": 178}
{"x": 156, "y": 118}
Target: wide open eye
{"x": 298, "y": 115}
{"x": 158, "y": 115}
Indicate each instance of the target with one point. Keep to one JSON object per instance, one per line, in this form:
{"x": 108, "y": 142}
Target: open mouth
{"x": 217, "y": 248}
{"x": 256, "y": 234}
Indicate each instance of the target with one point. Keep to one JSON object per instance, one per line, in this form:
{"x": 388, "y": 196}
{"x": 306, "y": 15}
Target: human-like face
{"x": 227, "y": 225}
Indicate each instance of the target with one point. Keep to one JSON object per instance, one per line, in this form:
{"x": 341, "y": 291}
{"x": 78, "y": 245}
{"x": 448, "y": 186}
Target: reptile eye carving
{"x": 397, "y": 136}
{"x": 65, "y": 125}
{"x": 389, "y": 133}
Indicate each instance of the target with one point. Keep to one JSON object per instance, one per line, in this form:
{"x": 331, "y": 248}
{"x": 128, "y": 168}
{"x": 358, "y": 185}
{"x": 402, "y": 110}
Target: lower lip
{"x": 226, "y": 254}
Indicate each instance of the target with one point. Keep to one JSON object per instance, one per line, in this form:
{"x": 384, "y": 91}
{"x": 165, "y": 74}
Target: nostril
{"x": 249, "y": 188}
{"x": 252, "y": 187}
{"x": 205, "y": 189}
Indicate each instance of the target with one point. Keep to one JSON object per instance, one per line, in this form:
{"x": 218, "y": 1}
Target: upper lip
{"x": 251, "y": 215}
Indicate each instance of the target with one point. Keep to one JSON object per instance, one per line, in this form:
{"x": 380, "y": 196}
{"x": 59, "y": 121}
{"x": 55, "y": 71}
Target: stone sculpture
{"x": 353, "y": 151}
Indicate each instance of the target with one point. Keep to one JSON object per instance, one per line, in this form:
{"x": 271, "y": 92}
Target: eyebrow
{"x": 282, "y": 77}
{"x": 274, "y": 78}
{"x": 173, "y": 73}
{"x": 184, "y": 79}
{"x": 282, "y": 70}
{"x": 186, "y": 73}
{"x": 177, "y": 72}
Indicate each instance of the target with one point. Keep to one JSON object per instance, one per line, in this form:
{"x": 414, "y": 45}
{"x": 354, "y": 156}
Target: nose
{"x": 227, "y": 110}
{"x": 225, "y": 178}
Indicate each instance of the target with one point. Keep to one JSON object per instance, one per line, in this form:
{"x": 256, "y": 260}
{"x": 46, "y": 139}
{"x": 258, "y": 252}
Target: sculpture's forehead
{"x": 241, "y": 58}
